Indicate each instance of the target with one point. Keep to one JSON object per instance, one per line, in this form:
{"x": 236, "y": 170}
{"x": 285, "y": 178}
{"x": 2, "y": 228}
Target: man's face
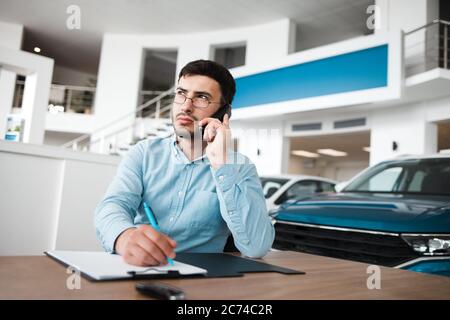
{"x": 184, "y": 115}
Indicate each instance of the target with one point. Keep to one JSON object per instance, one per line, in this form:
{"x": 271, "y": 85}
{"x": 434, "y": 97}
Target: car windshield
{"x": 418, "y": 176}
{"x": 271, "y": 185}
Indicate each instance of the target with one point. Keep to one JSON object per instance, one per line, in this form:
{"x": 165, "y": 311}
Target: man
{"x": 199, "y": 190}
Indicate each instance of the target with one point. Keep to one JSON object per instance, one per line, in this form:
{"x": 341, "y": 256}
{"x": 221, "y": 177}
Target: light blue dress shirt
{"x": 194, "y": 204}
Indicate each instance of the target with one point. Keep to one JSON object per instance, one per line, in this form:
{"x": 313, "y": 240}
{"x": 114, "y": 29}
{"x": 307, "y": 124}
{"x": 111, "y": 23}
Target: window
{"x": 427, "y": 176}
{"x": 385, "y": 181}
{"x": 326, "y": 187}
{"x": 298, "y": 189}
{"x": 416, "y": 182}
{"x": 382, "y": 181}
{"x": 230, "y": 56}
{"x": 271, "y": 185}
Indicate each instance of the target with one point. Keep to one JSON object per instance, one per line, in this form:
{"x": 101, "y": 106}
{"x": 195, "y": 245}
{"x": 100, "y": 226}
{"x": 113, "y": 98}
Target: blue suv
{"x": 396, "y": 214}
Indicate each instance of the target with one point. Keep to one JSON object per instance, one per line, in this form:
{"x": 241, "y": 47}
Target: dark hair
{"x": 214, "y": 71}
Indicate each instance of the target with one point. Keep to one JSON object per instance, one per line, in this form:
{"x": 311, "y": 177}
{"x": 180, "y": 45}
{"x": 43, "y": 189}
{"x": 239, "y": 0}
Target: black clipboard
{"x": 221, "y": 265}
{"x": 218, "y": 265}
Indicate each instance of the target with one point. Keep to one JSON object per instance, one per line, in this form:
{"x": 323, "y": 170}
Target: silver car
{"x": 280, "y": 188}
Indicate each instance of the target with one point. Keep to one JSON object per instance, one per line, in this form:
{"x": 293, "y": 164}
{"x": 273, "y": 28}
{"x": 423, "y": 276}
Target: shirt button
{"x": 231, "y": 212}
{"x": 180, "y": 193}
{"x": 246, "y": 242}
{"x": 221, "y": 178}
{"x": 171, "y": 219}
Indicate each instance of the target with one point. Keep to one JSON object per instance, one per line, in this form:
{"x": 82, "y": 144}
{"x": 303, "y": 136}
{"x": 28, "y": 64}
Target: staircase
{"x": 150, "y": 120}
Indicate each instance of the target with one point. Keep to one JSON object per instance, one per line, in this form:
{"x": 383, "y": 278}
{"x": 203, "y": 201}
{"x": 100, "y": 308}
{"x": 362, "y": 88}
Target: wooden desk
{"x": 40, "y": 277}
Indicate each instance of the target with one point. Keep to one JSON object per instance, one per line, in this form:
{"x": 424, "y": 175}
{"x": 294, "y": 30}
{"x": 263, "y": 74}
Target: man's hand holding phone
{"x": 218, "y": 136}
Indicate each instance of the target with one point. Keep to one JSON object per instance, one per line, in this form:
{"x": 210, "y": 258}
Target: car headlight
{"x": 429, "y": 245}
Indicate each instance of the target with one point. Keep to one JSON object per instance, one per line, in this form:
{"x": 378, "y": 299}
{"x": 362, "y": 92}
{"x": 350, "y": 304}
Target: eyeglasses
{"x": 200, "y": 101}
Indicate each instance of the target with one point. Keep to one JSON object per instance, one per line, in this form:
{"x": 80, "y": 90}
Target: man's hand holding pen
{"x": 144, "y": 246}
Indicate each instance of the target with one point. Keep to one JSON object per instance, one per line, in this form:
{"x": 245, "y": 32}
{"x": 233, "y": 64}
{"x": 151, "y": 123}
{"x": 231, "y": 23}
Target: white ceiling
{"x": 45, "y": 21}
{"x": 352, "y": 143}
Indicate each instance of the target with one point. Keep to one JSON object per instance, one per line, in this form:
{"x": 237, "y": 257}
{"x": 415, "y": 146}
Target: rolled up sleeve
{"x": 243, "y": 207}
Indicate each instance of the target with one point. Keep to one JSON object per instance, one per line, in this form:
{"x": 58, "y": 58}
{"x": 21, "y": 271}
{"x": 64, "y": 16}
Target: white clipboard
{"x": 106, "y": 266}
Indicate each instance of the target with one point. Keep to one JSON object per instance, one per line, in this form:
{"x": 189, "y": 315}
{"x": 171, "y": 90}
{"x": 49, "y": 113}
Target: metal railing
{"x": 427, "y": 47}
{"x": 146, "y": 95}
{"x": 80, "y": 99}
{"x": 154, "y": 108}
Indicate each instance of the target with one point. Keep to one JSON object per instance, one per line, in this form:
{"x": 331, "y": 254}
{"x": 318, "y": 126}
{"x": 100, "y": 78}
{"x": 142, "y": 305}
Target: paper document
{"x": 106, "y": 266}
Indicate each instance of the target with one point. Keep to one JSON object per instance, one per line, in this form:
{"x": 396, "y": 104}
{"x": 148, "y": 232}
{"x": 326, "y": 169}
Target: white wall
{"x": 84, "y": 184}
{"x": 10, "y": 37}
{"x": 38, "y": 71}
{"x": 412, "y": 126}
{"x": 70, "y": 122}
{"x": 267, "y": 136}
{"x": 339, "y": 170}
{"x": 407, "y": 15}
{"x": 48, "y": 196}
{"x": 56, "y": 138}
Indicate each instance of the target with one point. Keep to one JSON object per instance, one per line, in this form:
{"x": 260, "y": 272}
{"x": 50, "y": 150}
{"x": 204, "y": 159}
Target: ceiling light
{"x": 303, "y": 153}
{"x": 367, "y": 149}
{"x": 37, "y": 49}
{"x": 332, "y": 152}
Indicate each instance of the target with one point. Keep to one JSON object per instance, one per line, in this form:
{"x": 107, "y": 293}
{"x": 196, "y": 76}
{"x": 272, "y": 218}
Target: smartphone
{"x": 226, "y": 109}
{"x": 160, "y": 291}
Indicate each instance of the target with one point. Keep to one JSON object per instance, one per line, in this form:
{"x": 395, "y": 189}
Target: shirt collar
{"x": 176, "y": 151}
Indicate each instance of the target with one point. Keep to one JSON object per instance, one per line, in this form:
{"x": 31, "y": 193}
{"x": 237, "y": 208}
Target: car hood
{"x": 381, "y": 212}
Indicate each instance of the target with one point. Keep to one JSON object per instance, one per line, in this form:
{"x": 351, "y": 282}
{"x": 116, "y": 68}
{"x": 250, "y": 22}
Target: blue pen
{"x": 154, "y": 224}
